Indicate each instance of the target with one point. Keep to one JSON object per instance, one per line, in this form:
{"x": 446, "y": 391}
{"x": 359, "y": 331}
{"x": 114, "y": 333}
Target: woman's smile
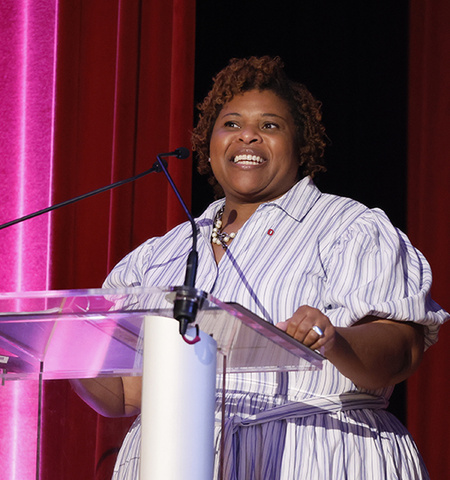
{"x": 247, "y": 159}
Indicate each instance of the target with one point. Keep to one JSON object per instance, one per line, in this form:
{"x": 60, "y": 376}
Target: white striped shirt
{"x": 305, "y": 248}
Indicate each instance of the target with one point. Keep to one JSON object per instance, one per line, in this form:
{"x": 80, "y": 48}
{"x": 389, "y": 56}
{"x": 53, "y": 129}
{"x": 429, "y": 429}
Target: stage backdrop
{"x": 91, "y": 91}
{"x": 429, "y": 219}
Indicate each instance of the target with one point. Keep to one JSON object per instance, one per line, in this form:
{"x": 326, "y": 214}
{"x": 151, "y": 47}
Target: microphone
{"x": 187, "y": 299}
{"x": 180, "y": 153}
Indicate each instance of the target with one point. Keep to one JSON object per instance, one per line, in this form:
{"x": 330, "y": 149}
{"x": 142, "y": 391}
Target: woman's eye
{"x": 231, "y": 124}
{"x": 270, "y": 125}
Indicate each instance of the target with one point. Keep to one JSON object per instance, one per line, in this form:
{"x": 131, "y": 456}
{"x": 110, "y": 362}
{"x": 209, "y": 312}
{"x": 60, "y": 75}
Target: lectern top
{"x": 98, "y": 332}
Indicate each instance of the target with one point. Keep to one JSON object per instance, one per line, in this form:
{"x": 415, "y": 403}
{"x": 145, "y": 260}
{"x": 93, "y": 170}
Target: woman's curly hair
{"x": 262, "y": 73}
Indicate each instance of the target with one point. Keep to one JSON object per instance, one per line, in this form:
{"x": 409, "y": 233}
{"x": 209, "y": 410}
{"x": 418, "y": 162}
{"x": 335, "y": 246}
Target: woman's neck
{"x": 236, "y": 214}
{"x": 227, "y": 225}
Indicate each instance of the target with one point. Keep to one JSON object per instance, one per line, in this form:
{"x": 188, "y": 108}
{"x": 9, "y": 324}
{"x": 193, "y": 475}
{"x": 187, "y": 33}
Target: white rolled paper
{"x": 178, "y": 401}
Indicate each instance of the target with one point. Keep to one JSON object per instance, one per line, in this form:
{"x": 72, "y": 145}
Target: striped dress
{"x": 304, "y": 248}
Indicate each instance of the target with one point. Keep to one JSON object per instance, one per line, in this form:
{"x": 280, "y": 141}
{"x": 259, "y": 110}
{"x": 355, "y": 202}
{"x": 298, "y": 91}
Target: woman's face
{"x": 253, "y": 148}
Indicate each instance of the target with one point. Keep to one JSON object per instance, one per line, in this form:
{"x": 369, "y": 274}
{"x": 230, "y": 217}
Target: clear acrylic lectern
{"x": 98, "y": 333}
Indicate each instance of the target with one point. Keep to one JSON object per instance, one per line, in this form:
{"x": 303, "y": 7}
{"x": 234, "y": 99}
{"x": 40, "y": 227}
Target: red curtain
{"x": 428, "y": 218}
{"x": 124, "y": 92}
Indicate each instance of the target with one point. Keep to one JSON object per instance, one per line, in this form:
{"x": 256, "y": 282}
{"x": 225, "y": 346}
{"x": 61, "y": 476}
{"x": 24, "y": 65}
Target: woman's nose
{"x": 249, "y": 134}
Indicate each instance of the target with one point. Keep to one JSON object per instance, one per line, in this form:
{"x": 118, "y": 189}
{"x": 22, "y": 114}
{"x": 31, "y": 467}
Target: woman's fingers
{"x": 309, "y": 326}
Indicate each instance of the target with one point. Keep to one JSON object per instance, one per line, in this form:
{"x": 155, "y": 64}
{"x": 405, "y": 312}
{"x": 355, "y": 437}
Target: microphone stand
{"x": 155, "y": 168}
{"x": 188, "y": 299}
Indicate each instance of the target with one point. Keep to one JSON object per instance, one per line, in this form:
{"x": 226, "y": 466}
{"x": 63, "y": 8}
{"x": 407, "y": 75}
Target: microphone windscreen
{"x": 182, "y": 153}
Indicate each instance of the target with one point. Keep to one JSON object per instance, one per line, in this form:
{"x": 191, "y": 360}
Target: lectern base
{"x": 178, "y": 402}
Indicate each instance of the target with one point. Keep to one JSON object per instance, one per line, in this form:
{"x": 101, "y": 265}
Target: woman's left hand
{"x": 310, "y": 327}
{"x": 373, "y": 353}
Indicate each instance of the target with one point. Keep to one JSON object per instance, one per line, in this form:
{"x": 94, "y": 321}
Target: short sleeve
{"x": 373, "y": 269}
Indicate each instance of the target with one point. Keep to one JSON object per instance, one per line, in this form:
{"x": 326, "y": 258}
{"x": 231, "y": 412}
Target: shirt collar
{"x": 299, "y": 200}
{"x": 296, "y": 202}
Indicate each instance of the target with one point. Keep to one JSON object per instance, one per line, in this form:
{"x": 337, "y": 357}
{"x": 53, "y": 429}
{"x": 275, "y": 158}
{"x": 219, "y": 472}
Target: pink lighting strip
{"x": 27, "y": 91}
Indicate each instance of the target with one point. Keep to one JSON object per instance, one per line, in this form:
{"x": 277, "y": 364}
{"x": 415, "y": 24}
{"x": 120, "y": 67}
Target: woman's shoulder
{"x": 339, "y": 213}
{"x": 338, "y": 220}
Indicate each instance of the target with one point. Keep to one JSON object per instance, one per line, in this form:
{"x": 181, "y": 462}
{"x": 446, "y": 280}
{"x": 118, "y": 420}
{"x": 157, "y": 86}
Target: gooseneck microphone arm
{"x": 187, "y": 299}
{"x": 155, "y": 168}
{"x": 182, "y": 152}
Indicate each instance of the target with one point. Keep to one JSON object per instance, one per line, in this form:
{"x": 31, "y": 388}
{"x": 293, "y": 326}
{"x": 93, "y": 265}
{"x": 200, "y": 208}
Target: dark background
{"x": 353, "y": 56}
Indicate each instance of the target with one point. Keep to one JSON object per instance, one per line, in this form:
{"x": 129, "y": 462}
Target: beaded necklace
{"x": 220, "y": 237}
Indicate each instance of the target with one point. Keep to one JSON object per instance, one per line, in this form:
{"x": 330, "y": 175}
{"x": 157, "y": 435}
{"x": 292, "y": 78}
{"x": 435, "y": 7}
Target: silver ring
{"x": 318, "y": 330}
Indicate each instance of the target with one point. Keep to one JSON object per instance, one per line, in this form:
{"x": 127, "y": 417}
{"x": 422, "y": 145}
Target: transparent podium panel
{"x": 250, "y": 344}
{"x": 76, "y": 334}
{"x": 98, "y": 332}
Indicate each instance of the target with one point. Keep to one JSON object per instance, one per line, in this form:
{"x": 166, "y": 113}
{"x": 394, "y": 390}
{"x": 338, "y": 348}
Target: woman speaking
{"x": 331, "y": 272}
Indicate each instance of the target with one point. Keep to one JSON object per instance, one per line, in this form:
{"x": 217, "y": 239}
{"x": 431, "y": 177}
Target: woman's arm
{"x": 111, "y": 397}
{"x": 373, "y": 353}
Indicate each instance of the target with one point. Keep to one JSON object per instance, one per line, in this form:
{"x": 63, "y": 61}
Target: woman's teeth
{"x": 248, "y": 159}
